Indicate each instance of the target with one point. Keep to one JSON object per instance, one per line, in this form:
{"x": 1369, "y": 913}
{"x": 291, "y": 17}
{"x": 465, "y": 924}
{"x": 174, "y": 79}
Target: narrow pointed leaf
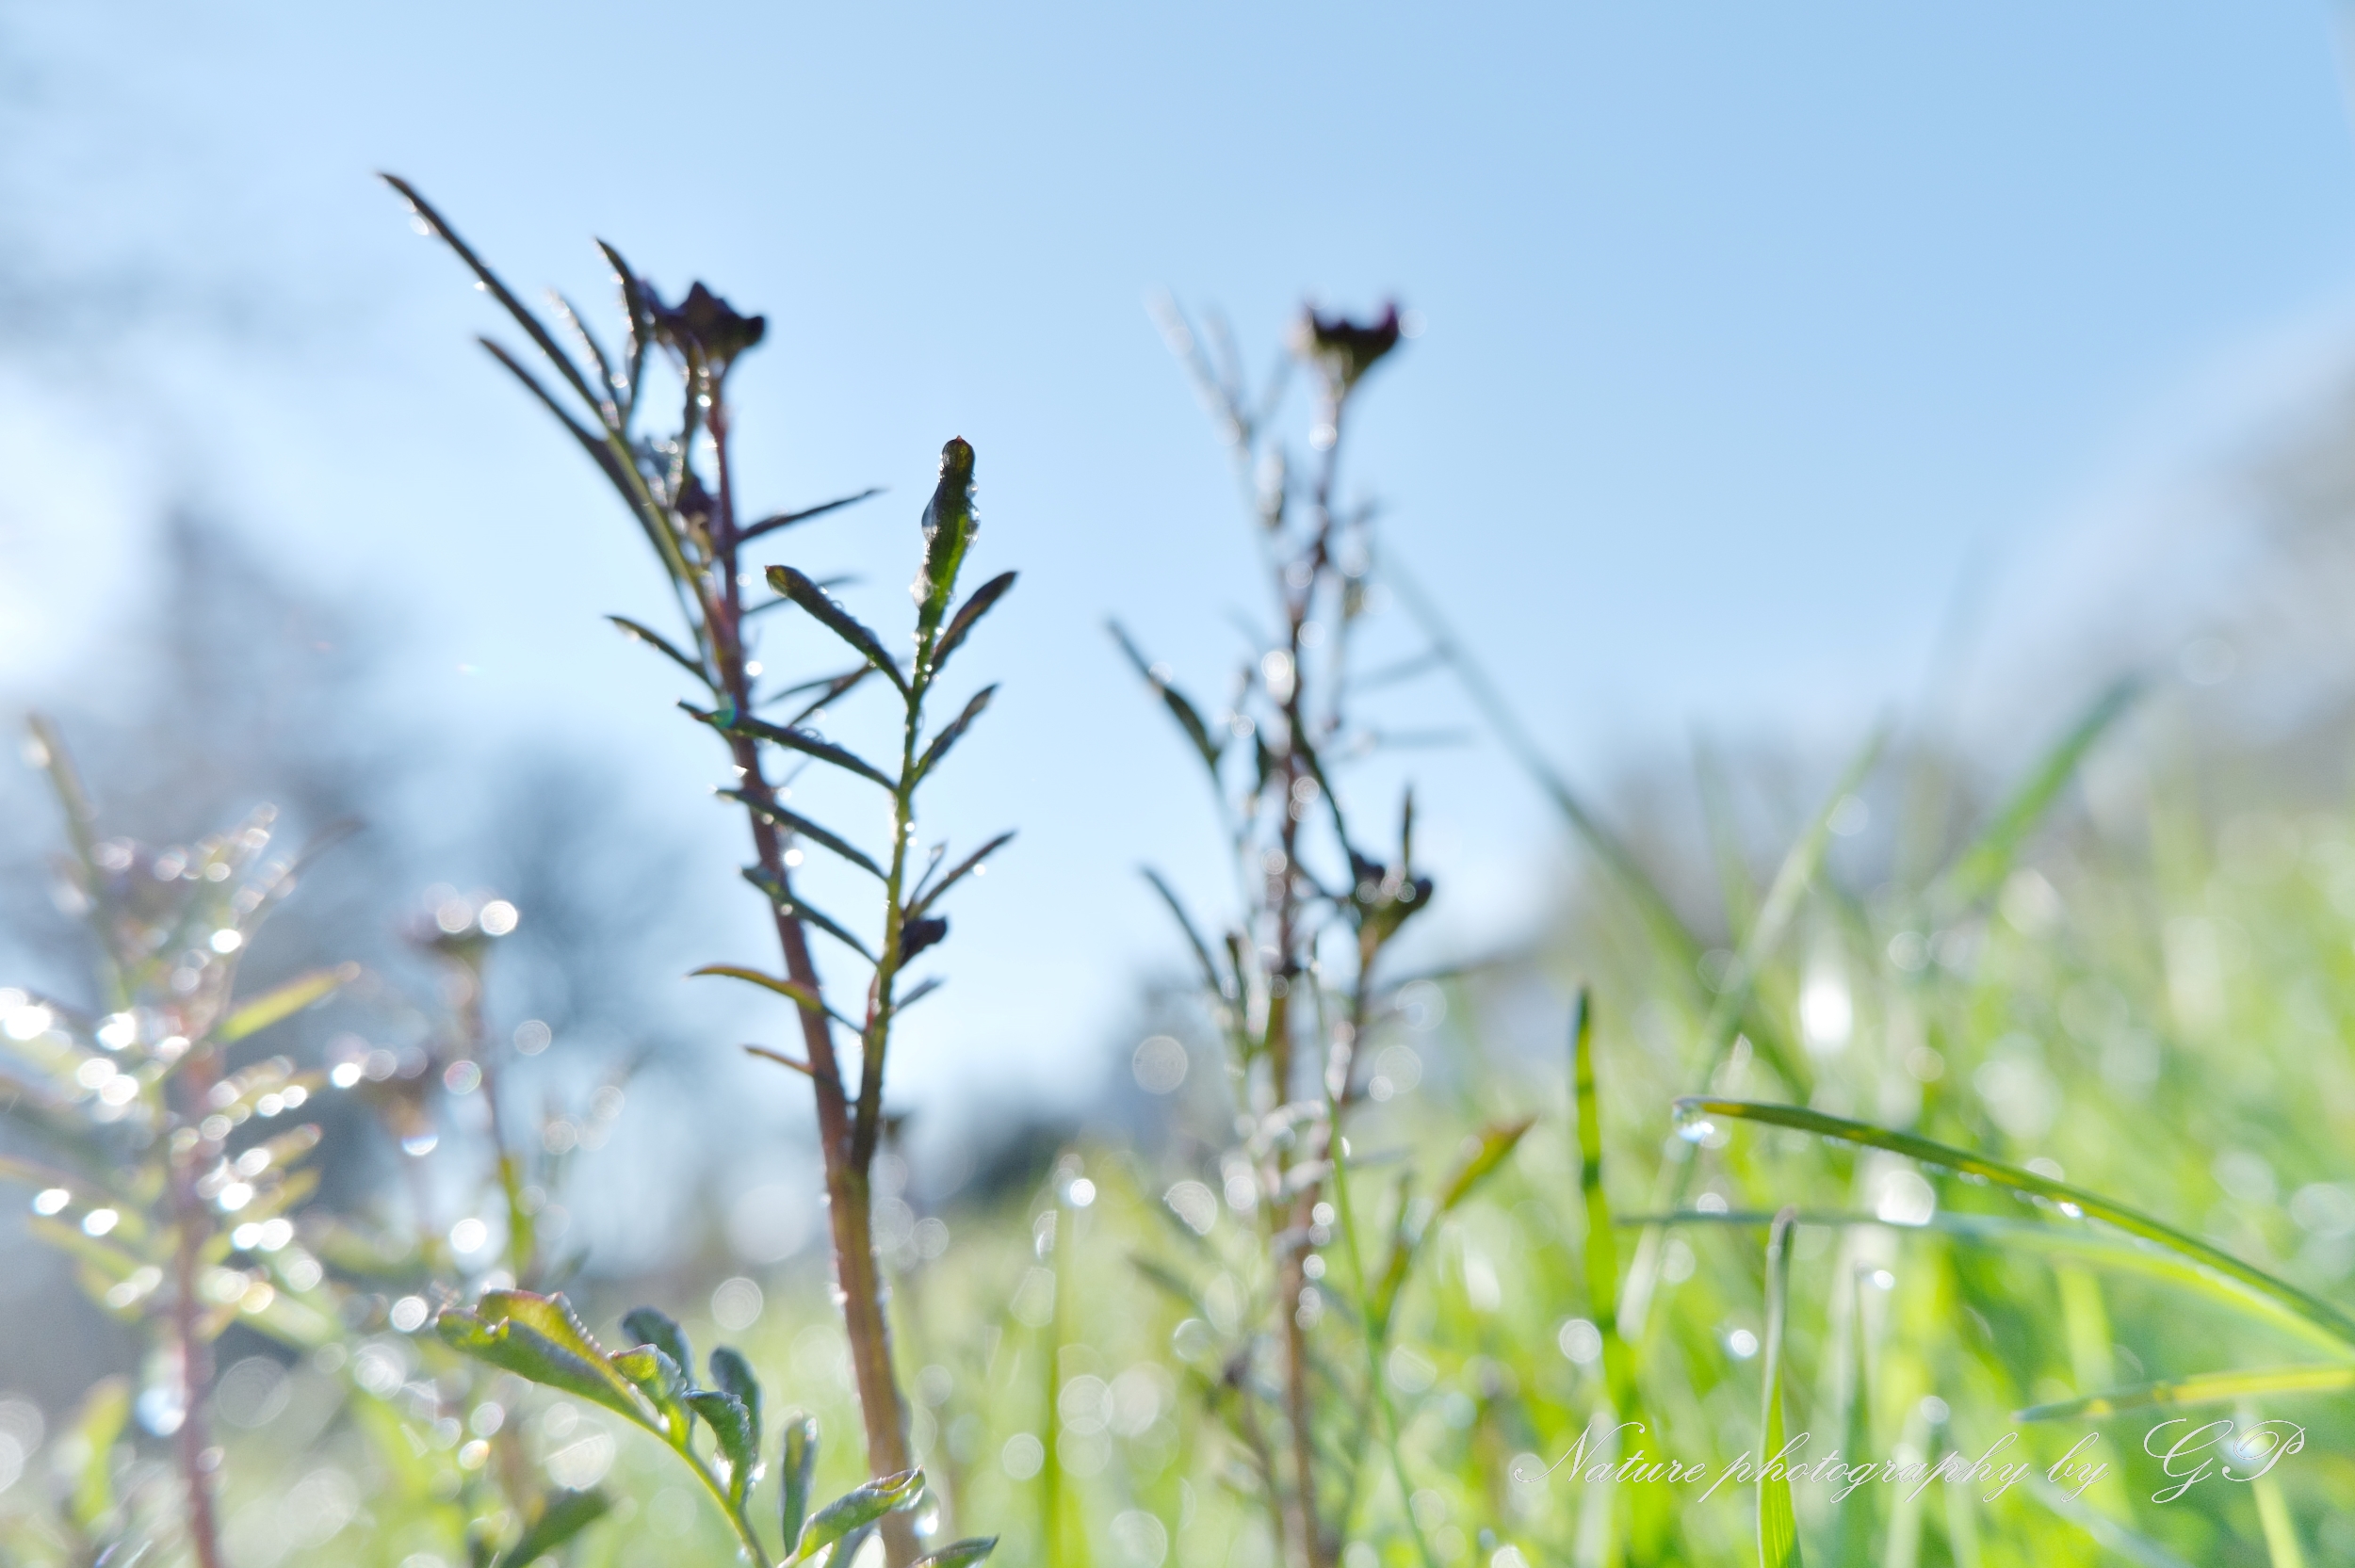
{"x": 732, "y": 1374}
{"x": 1189, "y": 718}
{"x": 1792, "y": 880}
{"x": 800, "y": 908}
{"x": 546, "y": 1345}
{"x": 1194, "y": 938}
{"x": 853, "y": 1509}
{"x": 541, "y": 337}
{"x": 787, "y": 519}
{"x": 792, "y": 991}
{"x": 968, "y": 615}
{"x": 2130, "y": 1545}
{"x": 961, "y": 1554}
{"x": 608, "y": 392}
{"x": 563, "y": 1516}
{"x": 1494, "y": 1145}
{"x": 1778, "y": 1527}
{"x": 284, "y": 1002}
{"x": 647, "y": 1325}
{"x": 2092, "y": 1204}
{"x": 797, "y": 1464}
{"x": 836, "y": 619}
{"x": 638, "y": 632}
{"x": 1981, "y": 868}
{"x": 1602, "y": 1251}
{"x": 2078, "y": 1244}
{"x": 732, "y": 1425}
{"x": 958, "y": 872}
{"x": 793, "y": 822}
{"x": 955, "y": 731}
{"x": 663, "y": 1384}
{"x": 828, "y": 690}
{"x": 797, "y": 740}
{"x": 2205, "y": 1388}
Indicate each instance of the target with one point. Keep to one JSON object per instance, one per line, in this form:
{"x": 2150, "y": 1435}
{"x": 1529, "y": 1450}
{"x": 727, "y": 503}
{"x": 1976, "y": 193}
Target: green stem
{"x": 1377, "y": 1337}
{"x": 745, "y": 1535}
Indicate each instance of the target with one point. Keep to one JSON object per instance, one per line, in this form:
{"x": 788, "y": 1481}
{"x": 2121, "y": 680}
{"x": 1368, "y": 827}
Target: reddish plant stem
{"x": 864, "y": 1298}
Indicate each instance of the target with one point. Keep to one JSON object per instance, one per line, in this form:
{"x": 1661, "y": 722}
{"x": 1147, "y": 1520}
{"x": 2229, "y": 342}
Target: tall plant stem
{"x": 850, "y": 1207}
{"x": 189, "y": 1447}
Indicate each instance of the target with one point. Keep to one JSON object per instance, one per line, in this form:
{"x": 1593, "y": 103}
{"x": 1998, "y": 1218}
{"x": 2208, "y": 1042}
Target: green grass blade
{"x": 1651, "y": 1518}
{"x": 2092, "y": 1204}
{"x": 1778, "y": 1527}
{"x": 1791, "y": 878}
{"x": 2074, "y": 1243}
{"x": 2205, "y": 1388}
{"x": 1978, "y": 870}
{"x": 2113, "y": 1537}
{"x": 1659, "y": 917}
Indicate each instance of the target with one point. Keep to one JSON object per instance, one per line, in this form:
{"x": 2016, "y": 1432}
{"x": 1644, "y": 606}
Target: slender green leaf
{"x": 739, "y": 1438}
{"x": 2074, "y": 1199}
{"x": 731, "y": 1373}
{"x": 797, "y": 1466}
{"x": 637, "y": 632}
{"x": 541, "y": 337}
{"x": 608, "y": 389}
{"x": 1978, "y": 870}
{"x": 1189, "y": 718}
{"x": 2205, "y": 1388}
{"x": 961, "y": 1554}
{"x": 954, "y": 731}
{"x": 858, "y": 1508}
{"x": 827, "y": 689}
{"x": 2131, "y": 1544}
{"x": 1792, "y": 880}
{"x": 798, "y": 908}
{"x": 1659, "y": 915}
{"x": 796, "y": 740}
{"x": 792, "y": 991}
{"x": 645, "y": 1325}
{"x": 1777, "y": 1528}
{"x": 522, "y": 1348}
{"x": 793, "y": 822}
{"x": 285, "y": 1001}
{"x": 637, "y": 317}
{"x": 822, "y": 609}
{"x": 1602, "y": 1251}
{"x": 1194, "y": 938}
{"x": 957, "y": 873}
{"x": 562, "y": 1516}
{"x": 1490, "y": 1149}
{"x": 662, "y": 1380}
{"x": 2077, "y": 1244}
{"x": 96, "y": 1427}
{"x": 968, "y": 615}
{"x": 787, "y": 519}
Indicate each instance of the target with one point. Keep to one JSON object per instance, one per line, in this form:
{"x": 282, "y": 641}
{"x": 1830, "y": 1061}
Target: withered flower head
{"x": 1342, "y": 350}
{"x": 704, "y": 327}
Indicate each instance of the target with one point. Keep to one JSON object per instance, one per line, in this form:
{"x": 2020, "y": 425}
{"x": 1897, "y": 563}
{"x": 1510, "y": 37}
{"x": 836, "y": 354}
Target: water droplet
{"x": 418, "y": 1145}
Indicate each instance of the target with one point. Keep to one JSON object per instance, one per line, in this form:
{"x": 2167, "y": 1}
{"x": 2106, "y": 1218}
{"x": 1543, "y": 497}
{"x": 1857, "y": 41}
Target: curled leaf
{"x": 855, "y": 1510}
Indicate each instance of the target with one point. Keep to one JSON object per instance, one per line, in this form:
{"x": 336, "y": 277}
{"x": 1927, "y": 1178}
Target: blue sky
{"x": 1748, "y": 328}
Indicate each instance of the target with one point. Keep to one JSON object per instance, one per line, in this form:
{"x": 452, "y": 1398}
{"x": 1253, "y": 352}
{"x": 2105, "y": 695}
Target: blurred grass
{"x": 2151, "y": 998}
